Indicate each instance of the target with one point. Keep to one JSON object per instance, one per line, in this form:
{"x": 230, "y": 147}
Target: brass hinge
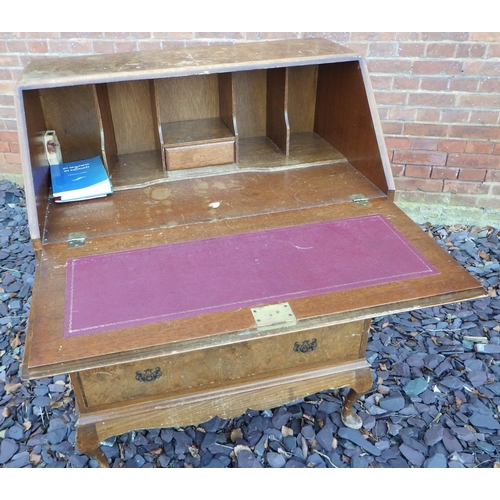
{"x": 76, "y": 239}
{"x": 361, "y": 200}
{"x": 274, "y": 316}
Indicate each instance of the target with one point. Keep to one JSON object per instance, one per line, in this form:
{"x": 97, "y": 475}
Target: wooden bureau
{"x": 251, "y": 235}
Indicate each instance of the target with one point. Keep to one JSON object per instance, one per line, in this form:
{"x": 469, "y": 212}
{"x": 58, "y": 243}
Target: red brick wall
{"x": 438, "y": 96}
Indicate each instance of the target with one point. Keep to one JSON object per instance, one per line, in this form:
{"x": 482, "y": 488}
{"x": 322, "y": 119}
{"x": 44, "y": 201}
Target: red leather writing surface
{"x": 135, "y": 287}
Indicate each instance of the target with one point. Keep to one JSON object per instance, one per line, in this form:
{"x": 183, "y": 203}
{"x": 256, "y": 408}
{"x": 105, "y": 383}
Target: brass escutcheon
{"x": 305, "y": 346}
{"x": 148, "y": 375}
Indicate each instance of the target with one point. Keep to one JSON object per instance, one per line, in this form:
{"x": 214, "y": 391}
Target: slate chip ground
{"x": 435, "y": 400}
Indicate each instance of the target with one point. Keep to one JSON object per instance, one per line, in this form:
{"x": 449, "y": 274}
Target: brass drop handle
{"x": 305, "y": 346}
{"x": 148, "y": 375}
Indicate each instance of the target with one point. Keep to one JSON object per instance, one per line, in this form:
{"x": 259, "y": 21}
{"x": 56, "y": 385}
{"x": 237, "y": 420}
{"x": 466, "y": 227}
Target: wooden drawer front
{"x": 200, "y": 155}
{"x": 192, "y": 371}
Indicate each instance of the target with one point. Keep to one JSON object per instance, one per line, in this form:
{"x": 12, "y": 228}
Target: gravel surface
{"x": 435, "y": 401}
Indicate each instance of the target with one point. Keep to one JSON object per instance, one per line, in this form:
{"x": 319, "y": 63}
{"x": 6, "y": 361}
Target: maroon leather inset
{"x": 179, "y": 280}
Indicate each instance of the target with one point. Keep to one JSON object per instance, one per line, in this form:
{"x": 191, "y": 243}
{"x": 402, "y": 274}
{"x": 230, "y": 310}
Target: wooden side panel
{"x": 226, "y": 101}
{"x": 72, "y": 112}
{"x": 109, "y": 147}
{"x": 277, "y": 126}
{"x": 155, "y": 113}
{"x": 188, "y": 98}
{"x": 155, "y": 106}
{"x": 250, "y": 90}
{"x": 302, "y": 82}
{"x": 35, "y": 125}
{"x": 227, "y": 107}
{"x": 130, "y": 104}
{"x": 343, "y": 118}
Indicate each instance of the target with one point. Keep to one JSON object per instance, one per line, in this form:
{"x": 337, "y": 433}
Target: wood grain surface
{"x": 50, "y": 71}
{"x": 48, "y": 352}
{"x": 297, "y": 128}
{"x": 229, "y": 401}
{"x": 204, "y": 369}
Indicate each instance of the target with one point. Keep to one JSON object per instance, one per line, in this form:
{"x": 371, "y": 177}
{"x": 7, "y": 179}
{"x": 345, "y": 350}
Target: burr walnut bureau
{"x": 250, "y": 238}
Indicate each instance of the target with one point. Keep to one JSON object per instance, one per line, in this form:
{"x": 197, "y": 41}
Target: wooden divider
{"x": 251, "y": 119}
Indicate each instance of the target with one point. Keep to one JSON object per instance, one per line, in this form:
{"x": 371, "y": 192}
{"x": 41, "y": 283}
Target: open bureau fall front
{"x": 250, "y": 238}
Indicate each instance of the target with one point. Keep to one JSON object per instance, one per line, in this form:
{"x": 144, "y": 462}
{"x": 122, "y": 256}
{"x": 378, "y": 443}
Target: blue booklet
{"x": 80, "y": 180}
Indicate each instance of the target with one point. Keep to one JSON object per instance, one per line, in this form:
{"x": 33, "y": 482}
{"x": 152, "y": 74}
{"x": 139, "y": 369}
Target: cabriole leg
{"x": 349, "y": 418}
{"x": 363, "y": 384}
{"x": 87, "y": 442}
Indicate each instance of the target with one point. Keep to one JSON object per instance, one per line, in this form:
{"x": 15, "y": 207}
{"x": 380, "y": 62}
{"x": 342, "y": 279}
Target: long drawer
{"x": 193, "y": 371}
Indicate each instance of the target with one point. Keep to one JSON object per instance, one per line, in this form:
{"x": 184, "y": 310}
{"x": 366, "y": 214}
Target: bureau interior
{"x": 154, "y": 130}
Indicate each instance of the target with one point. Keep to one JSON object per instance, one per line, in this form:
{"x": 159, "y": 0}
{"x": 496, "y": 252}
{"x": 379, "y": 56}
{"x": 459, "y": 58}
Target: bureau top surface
{"x": 48, "y": 72}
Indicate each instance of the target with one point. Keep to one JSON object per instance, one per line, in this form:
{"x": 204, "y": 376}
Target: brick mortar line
{"x": 425, "y": 58}
{"x": 453, "y": 124}
{"x": 252, "y": 36}
{"x": 440, "y": 122}
{"x": 186, "y": 43}
{"x": 431, "y": 75}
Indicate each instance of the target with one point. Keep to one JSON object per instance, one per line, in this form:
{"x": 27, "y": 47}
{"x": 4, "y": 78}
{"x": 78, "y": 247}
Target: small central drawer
{"x": 192, "y": 371}
{"x": 199, "y": 155}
